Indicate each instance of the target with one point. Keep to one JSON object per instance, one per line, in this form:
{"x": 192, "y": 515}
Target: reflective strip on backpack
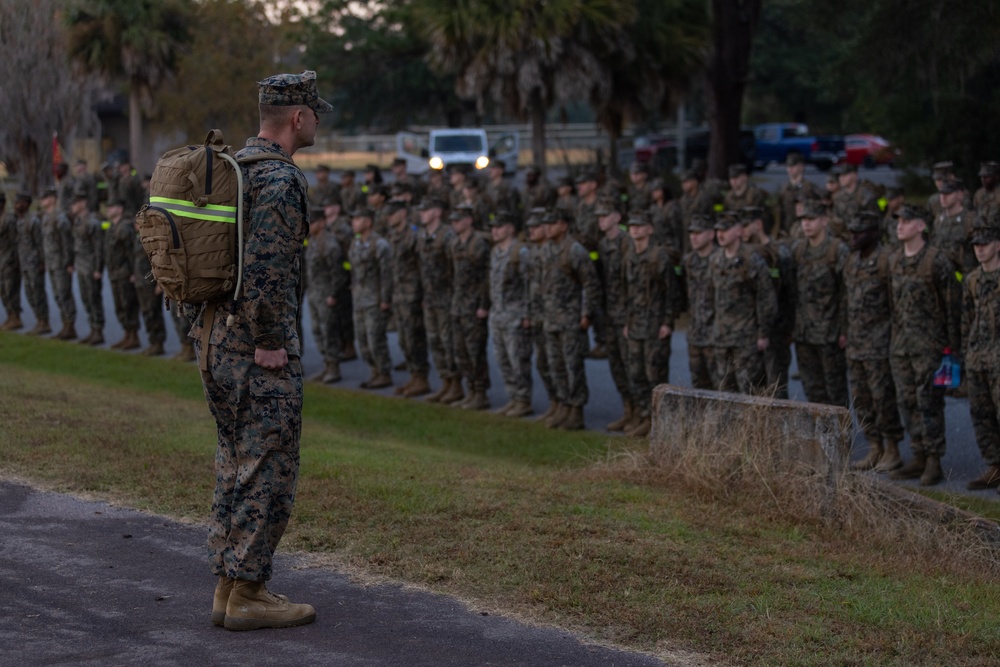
{"x": 185, "y": 209}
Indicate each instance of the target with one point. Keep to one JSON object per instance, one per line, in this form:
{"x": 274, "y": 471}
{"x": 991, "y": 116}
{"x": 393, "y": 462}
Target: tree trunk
{"x": 537, "y": 111}
{"x": 734, "y": 26}
{"x": 134, "y": 127}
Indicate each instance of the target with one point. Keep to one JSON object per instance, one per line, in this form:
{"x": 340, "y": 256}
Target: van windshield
{"x": 461, "y": 143}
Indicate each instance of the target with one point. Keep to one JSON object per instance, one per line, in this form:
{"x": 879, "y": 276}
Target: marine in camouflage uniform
{"x": 981, "y": 337}
{"x": 30, "y": 259}
{"x": 501, "y": 195}
{"x": 371, "y": 293}
{"x": 649, "y": 301}
{"x": 510, "y": 327}
{"x": 538, "y": 193}
{"x": 987, "y": 197}
{"x": 434, "y": 240}
{"x": 745, "y": 309}
{"x": 701, "y": 302}
{"x": 119, "y": 255}
{"x": 88, "y": 263}
{"x": 850, "y": 199}
{"x": 329, "y": 283}
{"x": 469, "y": 253}
{"x": 668, "y": 222}
{"x": 795, "y": 189}
{"x": 925, "y": 320}
{"x": 820, "y": 309}
{"x": 613, "y": 248}
{"x": 10, "y": 269}
{"x": 536, "y": 303}
{"x": 250, "y": 353}
{"x": 639, "y": 189}
{"x": 586, "y": 231}
{"x": 697, "y": 197}
{"x": 350, "y": 193}
{"x": 57, "y": 243}
{"x": 743, "y": 194}
{"x": 869, "y": 323}
{"x": 150, "y": 299}
{"x": 572, "y": 294}
{"x": 407, "y": 299}
{"x": 953, "y": 226}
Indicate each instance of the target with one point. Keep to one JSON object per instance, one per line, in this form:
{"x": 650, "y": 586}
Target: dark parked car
{"x": 661, "y": 150}
{"x": 776, "y": 140}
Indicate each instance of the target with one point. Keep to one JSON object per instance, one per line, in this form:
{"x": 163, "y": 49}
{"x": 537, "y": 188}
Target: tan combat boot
{"x": 559, "y": 416}
{"x": 573, "y": 420}
{"x": 874, "y": 456}
{"x": 891, "y": 460}
{"x": 186, "y": 352}
{"x": 477, "y": 401}
{"x": 68, "y": 332}
{"x": 380, "y": 381}
{"x": 619, "y": 424}
{"x": 221, "y": 599}
{"x": 932, "y": 472}
{"x": 442, "y": 390}
{"x": 553, "y": 408}
{"x": 455, "y": 393}
{"x": 251, "y": 607}
{"x": 96, "y": 337}
{"x": 912, "y": 470}
{"x": 418, "y": 387}
{"x": 640, "y": 426}
{"x": 41, "y": 328}
{"x": 520, "y": 409}
{"x": 398, "y": 391}
{"x": 120, "y": 344}
{"x": 331, "y": 373}
{"x": 988, "y": 480}
{"x": 349, "y": 353}
{"x": 133, "y": 341}
{"x": 502, "y": 411}
{"x": 154, "y": 350}
{"x": 13, "y": 322}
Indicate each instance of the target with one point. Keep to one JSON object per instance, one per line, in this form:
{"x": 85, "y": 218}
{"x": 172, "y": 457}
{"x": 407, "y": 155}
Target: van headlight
{"x": 482, "y": 162}
{"x": 436, "y": 163}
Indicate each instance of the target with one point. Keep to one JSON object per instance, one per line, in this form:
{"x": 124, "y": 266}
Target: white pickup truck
{"x": 465, "y": 147}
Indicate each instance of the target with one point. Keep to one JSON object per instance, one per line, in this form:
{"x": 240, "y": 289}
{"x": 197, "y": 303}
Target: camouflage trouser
{"x": 542, "y": 361}
{"x": 648, "y": 366}
{"x": 344, "y": 316}
{"x": 10, "y": 289}
{"x": 151, "y": 307}
{"x": 470, "y": 334}
{"x": 373, "y": 346}
{"x": 921, "y": 404}
{"x": 701, "y": 361}
{"x": 739, "y": 369}
{"x": 34, "y": 290}
{"x": 62, "y": 290}
{"x": 566, "y": 351}
{"x": 258, "y": 414}
{"x": 984, "y": 408}
{"x": 617, "y": 347}
{"x": 182, "y": 325}
{"x": 126, "y": 304}
{"x": 92, "y": 296}
{"x": 874, "y": 396}
{"x": 412, "y": 335}
{"x": 823, "y": 369}
{"x": 326, "y": 328}
{"x": 512, "y": 349}
{"x": 777, "y": 359}
{"x": 437, "y": 324}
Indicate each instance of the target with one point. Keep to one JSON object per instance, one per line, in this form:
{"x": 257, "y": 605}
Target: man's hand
{"x": 97, "y": 275}
{"x": 842, "y": 342}
{"x": 584, "y": 322}
{"x": 272, "y": 360}
{"x": 763, "y": 344}
{"x": 665, "y": 331}
{"x": 331, "y": 302}
{"x": 384, "y": 307}
{"x": 625, "y": 332}
{"x": 482, "y": 313}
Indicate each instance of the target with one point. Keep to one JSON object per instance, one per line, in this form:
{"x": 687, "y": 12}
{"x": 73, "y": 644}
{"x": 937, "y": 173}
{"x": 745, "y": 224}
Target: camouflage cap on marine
{"x": 394, "y": 205}
{"x": 893, "y": 192}
{"x": 864, "y": 221}
{"x": 736, "y": 170}
{"x": 606, "y": 206}
{"x": 462, "y": 211}
{"x": 503, "y": 217}
{"x": 292, "y": 89}
{"x": 80, "y": 191}
{"x": 689, "y": 175}
{"x": 399, "y": 188}
{"x": 330, "y": 199}
{"x": 586, "y": 177}
{"x": 943, "y": 169}
{"x": 751, "y": 213}
{"x": 115, "y": 201}
{"x": 428, "y": 203}
{"x": 638, "y": 218}
{"x": 700, "y": 223}
{"x": 536, "y": 217}
{"x": 951, "y": 185}
{"x": 23, "y": 196}
{"x": 641, "y": 168}
{"x": 985, "y": 229}
{"x": 49, "y": 192}
{"x": 562, "y": 215}
{"x": 846, "y": 168}
{"x": 989, "y": 168}
{"x": 793, "y": 159}
{"x": 912, "y": 212}
{"x": 726, "y": 220}
{"x": 813, "y": 208}
{"x": 363, "y": 212}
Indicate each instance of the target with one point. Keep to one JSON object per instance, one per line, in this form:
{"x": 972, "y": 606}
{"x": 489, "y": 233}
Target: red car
{"x": 870, "y": 150}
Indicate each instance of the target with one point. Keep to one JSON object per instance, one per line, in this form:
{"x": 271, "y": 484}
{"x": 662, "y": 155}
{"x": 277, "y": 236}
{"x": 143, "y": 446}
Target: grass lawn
{"x": 555, "y": 527}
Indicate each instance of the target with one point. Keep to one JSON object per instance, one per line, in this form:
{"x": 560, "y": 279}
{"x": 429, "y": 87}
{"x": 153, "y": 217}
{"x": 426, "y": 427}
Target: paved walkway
{"x": 85, "y": 583}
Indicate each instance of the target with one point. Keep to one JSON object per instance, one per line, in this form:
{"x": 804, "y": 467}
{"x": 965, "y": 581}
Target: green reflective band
{"x": 305, "y": 242}
{"x": 347, "y": 266}
{"x": 775, "y": 273}
{"x": 679, "y": 270}
{"x": 185, "y": 209}
{"x": 718, "y": 208}
{"x": 594, "y": 255}
{"x": 106, "y": 225}
{"x": 959, "y": 276}
{"x": 103, "y": 185}
{"x": 883, "y": 203}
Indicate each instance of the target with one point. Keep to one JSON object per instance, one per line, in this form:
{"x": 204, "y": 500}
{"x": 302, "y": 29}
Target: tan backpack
{"x": 189, "y": 228}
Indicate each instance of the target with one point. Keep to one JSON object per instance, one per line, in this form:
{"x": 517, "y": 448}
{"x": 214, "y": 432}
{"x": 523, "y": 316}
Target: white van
{"x": 466, "y": 147}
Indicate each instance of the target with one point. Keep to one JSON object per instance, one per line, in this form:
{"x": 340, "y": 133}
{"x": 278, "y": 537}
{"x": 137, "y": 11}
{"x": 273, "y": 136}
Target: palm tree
{"x": 523, "y": 54}
{"x": 135, "y": 41}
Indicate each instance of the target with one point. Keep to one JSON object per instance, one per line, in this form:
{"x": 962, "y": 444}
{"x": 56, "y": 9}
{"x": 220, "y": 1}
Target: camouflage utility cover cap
{"x": 428, "y": 203}
{"x": 864, "y": 221}
{"x": 727, "y": 219}
{"x": 80, "y": 191}
{"x": 638, "y": 219}
{"x": 985, "y": 229}
{"x": 912, "y": 212}
{"x": 950, "y": 186}
{"x": 363, "y": 212}
{"x": 813, "y": 208}
{"x": 49, "y": 192}
{"x": 942, "y": 169}
{"x": 847, "y": 168}
{"x": 606, "y": 206}
{"x": 700, "y": 223}
{"x": 793, "y": 159}
{"x": 737, "y": 170}
{"x": 285, "y": 90}
{"x": 462, "y": 211}
{"x": 502, "y": 218}
{"x": 751, "y": 213}
{"x": 536, "y": 217}
{"x": 989, "y": 168}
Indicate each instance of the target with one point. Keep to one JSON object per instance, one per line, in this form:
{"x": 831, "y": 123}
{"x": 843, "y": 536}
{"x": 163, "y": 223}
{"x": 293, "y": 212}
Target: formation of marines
{"x": 873, "y": 292}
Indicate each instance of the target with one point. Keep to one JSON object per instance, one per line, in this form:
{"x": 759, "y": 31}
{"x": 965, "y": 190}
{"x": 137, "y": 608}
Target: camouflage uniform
{"x": 847, "y": 204}
{"x": 649, "y": 299}
{"x": 778, "y": 355}
{"x": 32, "y": 263}
{"x": 57, "y": 241}
{"x": 407, "y": 298}
{"x": 119, "y": 254}
{"x": 613, "y": 253}
{"x": 88, "y": 259}
{"x": 371, "y": 286}
{"x": 703, "y": 202}
{"x": 752, "y": 196}
{"x": 951, "y": 234}
{"x": 129, "y": 189}
{"x": 258, "y": 411}
{"x": 820, "y": 320}
{"x": 570, "y": 291}
{"x": 869, "y": 324}
{"x": 789, "y": 194}
{"x": 981, "y": 337}
{"x": 541, "y": 194}
{"x": 745, "y": 309}
{"x": 150, "y": 301}
{"x": 536, "y": 313}
{"x": 925, "y": 320}
{"x": 701, "y": 304}
{"x": 668, "y": 227}
{"x": 326, "y": 266}
{"x": 10, "y": 268}
{"x": 585, "y": 229}
{"x": 508, "y": 311}
{"x": 501, "y": 196}
{"x": 436, "y": 280}
{"x": 470, "y": 269}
